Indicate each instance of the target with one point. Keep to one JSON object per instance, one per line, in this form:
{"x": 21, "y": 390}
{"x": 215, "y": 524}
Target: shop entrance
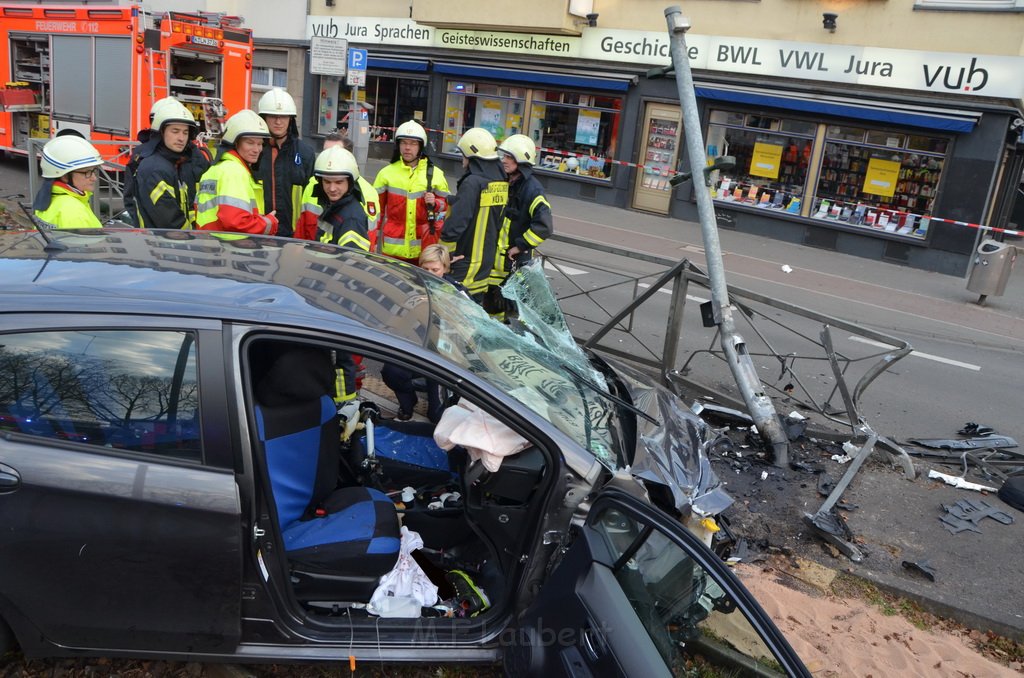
{"x": 659, "y": 154}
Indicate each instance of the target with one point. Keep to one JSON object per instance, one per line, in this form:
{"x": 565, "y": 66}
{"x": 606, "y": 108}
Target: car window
{"x": 696, "y": 626}
{"x": 124, "y": 389}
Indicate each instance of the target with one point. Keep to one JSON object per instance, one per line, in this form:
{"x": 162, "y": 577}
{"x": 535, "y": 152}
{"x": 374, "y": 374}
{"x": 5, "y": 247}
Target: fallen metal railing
{"x": 811, "y": 373}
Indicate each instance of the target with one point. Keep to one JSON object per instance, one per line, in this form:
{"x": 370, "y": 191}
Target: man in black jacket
{"x": 287, "y": 161}
{"x": 166, "y": 178}
{"x": 471, "y": 229}
{"x": 528, "y": 220}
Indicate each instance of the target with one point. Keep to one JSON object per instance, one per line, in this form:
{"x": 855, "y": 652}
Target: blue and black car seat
{"x": 339, "y": 541}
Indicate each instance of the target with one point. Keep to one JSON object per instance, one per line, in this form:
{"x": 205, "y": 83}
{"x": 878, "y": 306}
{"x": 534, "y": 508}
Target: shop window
{"x": 575, "y": 133}
{"x": 772, "y": 159}
{"x": 888, "y": 183}
{"x": 394, "y": 101}
{"x": 845, "y": 133}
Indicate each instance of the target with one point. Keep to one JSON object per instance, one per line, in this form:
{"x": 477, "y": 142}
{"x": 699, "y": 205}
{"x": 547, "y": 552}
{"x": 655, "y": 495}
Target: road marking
{"x": 919, "y": 354}
{"x": 566, "y": 270}
{"x": 699, "y": 300}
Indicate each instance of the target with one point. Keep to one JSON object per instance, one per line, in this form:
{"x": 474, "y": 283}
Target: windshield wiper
{"x": 614, "y": 398}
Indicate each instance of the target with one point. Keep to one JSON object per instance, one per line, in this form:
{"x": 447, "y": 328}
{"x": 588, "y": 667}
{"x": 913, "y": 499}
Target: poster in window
{"x": 587, "y": 126}
{"x": 765, "y": 160}
{"x": 881, "y": 177}
{"x": 490, "y": 117}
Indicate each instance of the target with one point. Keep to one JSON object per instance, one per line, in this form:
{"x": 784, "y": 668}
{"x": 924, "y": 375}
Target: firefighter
{"x": 413, "y": 196}
{"x": 306, "y": 226}
{"x": 166, "y": 191}
{"x": 527, "y": 222}
{"x": 287, "y": 161}
{"x": 198, "y": 158}
{"x": 69, "y": 167}
{"x": 332, "y": 209}
{"x": 230, "y": 198}
{"x": 471, "y": 229}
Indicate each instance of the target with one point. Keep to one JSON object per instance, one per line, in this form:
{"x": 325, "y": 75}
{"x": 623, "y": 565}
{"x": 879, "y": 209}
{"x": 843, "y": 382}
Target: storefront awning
{"x": 393, "y": 64}
{"x": 608, "y": 82}
{"x": 947, "y": 120}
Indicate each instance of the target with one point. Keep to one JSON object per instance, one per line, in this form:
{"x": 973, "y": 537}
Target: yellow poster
{"x": 765, "y": 160}
{"x": 881, "y": 177}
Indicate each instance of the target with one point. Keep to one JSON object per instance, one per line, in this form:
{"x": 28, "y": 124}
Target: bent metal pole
{"x": 758, "y": 403}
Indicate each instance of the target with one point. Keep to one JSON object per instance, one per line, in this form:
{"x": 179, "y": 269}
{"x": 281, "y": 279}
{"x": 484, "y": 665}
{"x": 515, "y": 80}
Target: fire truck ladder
{"x": 164, "y": 69}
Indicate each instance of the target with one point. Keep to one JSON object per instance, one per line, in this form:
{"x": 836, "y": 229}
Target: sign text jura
{"x": 948, "y": 72}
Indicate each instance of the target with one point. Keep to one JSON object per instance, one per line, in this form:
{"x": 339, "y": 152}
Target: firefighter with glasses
{"x": 69, "y": 169}
{"x": 413, "y": 196}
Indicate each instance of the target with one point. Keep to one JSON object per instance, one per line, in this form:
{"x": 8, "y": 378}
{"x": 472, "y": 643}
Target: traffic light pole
{"x": 760, "y": 406}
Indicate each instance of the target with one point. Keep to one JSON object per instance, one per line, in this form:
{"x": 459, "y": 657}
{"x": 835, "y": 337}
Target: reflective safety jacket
{"x": 69, "y": 208}
{"x": 471, "y": 229}
{"x": 197, "y": 161}
{"x": 526, "y": 225}
{"x": 404, "y": 224}
{"x": 230, "y": 199}
{"x": 306, "y": 225}
{"x": 342, "y": 222}
{"x": 284, "y": 171}
{"x": 163, "y": 196}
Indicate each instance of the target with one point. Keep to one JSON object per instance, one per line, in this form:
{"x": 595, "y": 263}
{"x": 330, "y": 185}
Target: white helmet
{"x": 412, "y": 130}
{"x": 157, "y": 105}
{"x": 336, "y": 162}
{"x": 67, "y": 154}
{"x": 172, "y": 111}
{"x": 521, "y": 148}
{"x": 478, "y": 142}
{"x": 277, "y": 102}
{"x": 245, "y": 124}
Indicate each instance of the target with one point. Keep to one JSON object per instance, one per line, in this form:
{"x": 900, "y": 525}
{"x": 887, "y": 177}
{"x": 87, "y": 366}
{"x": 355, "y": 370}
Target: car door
{"x": 121, "y": 516}
{"x": 638, "y": 594}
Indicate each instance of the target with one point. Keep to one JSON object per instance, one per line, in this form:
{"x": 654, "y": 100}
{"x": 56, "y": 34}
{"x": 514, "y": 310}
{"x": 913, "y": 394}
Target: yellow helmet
{"x": 277, "y": 102}
{"x": 412, "y": 130}
{"x": 245, "y": 124}
{"x": 520, "y": 147}
{"x": 478, "y": 143}
{"x": 336, "y": 162}
{"x": 67, "y": 154}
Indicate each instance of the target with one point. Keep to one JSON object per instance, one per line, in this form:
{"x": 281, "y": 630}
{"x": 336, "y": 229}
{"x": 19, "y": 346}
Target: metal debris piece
{"x": 976, "y": 510}
{"x": 921, "y": 566}
{"x": 973, "y": 429}
{"x": 966, "y": 444}
{"x": 957, "y": 481}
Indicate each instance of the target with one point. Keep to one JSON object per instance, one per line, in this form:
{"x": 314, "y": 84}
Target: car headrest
{"x": 297, "y": 374}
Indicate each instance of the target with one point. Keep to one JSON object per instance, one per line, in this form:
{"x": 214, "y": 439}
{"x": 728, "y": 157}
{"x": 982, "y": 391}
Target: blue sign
{"x": 357, "y": 59}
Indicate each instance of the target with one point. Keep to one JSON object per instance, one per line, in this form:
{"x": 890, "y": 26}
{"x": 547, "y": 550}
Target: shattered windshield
{"x": 555, "y": 381}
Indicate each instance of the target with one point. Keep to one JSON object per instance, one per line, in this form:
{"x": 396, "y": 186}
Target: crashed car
{"x": 183, "y": 474}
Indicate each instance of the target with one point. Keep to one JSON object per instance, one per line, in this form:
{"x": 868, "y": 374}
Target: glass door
{"x": 659, "y": 156}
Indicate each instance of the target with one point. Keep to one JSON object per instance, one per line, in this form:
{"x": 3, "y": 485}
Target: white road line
{"x": 567, "y": 270}
{"x": 699, "y": 300}
{"x": 919, "y": 354}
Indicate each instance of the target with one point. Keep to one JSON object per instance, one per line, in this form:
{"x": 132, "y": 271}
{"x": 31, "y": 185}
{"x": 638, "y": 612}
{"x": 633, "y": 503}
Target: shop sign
{"x": 946, "y": 72}
{"x": 588, "y": 125}
{"x": 881, "y": 177}
{"x": 765, "y": 160}
{"x": 327, "y": 56}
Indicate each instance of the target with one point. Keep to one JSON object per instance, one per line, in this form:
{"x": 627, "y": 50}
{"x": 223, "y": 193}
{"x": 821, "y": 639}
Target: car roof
{"x": 212, "y": 275}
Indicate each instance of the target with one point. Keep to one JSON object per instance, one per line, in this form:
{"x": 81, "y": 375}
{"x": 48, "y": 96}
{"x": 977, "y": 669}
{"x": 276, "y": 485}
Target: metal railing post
{"x": 758, "y": 403}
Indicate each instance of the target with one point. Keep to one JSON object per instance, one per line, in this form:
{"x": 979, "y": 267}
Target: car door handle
{"x": 592, "y": 643}
{"x": 9, "y": 479}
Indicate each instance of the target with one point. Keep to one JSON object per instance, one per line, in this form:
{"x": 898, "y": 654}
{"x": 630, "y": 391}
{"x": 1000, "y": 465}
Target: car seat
{"x": 339, "y": 541}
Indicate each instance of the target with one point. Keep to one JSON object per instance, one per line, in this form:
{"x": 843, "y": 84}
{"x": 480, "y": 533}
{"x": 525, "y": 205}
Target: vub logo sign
{"x": 966, "y": 78}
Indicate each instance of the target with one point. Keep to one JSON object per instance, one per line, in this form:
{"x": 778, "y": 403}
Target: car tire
{"x": 8, "y": 643}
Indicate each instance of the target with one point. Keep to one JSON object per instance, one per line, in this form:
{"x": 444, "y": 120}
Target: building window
{"x": 971, "y": 5}
{"x": 394, "y": 101}
{"x": 263, "y": 78}
{"x": 880, "y": 179}
{"x": 772, "y": 158}
{"x": 575, "y": 133}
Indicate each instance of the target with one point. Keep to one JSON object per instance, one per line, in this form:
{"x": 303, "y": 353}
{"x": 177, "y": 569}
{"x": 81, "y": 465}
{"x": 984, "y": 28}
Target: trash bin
{"x": 993, "y": 263}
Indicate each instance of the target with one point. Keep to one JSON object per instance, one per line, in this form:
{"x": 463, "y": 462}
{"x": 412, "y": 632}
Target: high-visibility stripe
{"x": 351, "y": 238}
{"x": 312, "y": 208}
{"x": 159, "y": 190}
{"x": 532, "y": 239}
{"x": 402, "y": 242}
{"x": 539, "y": 200}
{"x": 215, "y": 201}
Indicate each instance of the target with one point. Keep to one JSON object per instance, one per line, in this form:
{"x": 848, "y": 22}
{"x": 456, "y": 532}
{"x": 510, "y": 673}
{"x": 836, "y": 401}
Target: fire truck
{"x": 98, "y": 69}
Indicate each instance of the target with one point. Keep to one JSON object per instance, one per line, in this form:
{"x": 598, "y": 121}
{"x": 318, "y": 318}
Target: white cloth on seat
{"x": 406, "y": 588}
{"x": 484, "y": 437}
